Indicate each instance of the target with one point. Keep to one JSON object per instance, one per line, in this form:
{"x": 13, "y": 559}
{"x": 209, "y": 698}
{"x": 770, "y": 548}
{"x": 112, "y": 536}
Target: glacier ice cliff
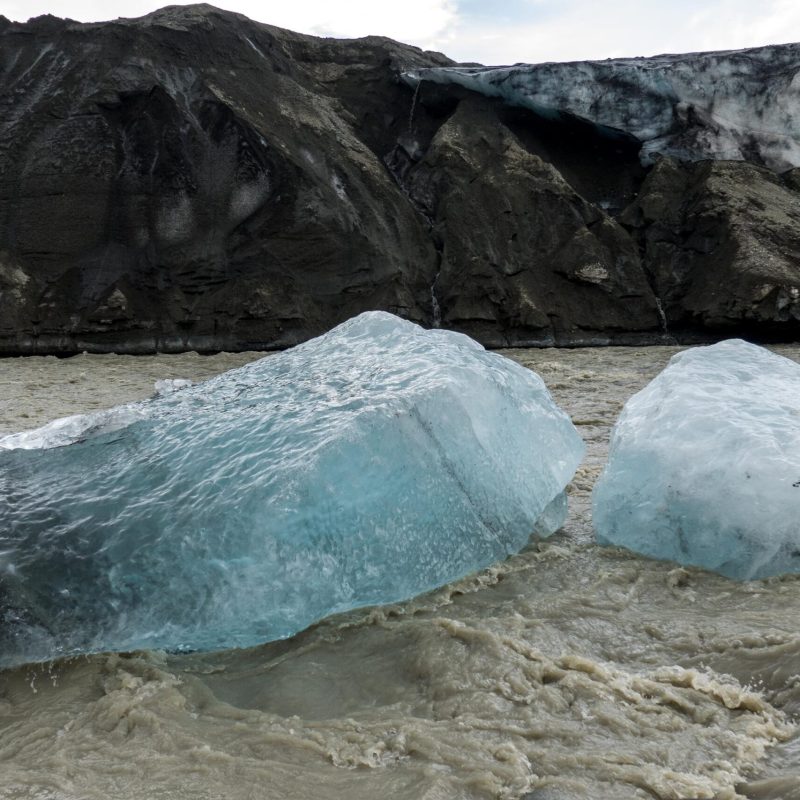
{"x": 367, "y": 465}
{"x": 704, "y": 467}
{"x": 735, "y": 104}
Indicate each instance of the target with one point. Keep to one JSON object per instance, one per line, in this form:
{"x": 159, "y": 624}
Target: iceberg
{"x": 365, "y": 466}
{"x": 704, "y": 466}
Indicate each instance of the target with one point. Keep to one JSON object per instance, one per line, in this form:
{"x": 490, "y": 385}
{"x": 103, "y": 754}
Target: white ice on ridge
{"x": 73, "y": 429}
{"x": 170, "y": 385}
{"x": 734, "y": 104}
{"x": 704, "y": 467}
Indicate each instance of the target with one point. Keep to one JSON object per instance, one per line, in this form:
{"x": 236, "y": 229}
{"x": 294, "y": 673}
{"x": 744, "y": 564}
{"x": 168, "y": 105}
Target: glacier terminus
{"x": 732, "y": 104}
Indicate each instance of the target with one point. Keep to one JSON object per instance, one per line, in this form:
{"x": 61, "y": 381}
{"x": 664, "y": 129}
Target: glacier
{"x": 704, "y": 465}
{"x": 375, "y": 462}
{"x": 735, "y": 104}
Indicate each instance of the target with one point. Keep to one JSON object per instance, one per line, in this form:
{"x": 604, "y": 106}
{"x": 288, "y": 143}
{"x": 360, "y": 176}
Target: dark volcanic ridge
{"x": 193, "y": 180}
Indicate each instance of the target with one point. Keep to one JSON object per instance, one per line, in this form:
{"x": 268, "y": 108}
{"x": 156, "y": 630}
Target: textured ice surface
{"x": 704, "y": 466}
{"x": 367, "y": 465}
{"x": 170, "y": 385}
{"x": 737, "y": 104}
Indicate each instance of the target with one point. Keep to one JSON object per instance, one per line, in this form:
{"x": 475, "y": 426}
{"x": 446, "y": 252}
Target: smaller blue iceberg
{"x": 704, "y": 467}
{"x": 368, "y": 465}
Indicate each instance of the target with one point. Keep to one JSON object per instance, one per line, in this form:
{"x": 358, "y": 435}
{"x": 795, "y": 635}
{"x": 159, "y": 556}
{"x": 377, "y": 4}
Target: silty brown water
{"x": 567, "y": 671}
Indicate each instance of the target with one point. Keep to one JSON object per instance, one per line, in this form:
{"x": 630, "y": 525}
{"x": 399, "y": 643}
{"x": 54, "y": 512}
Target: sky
{"x": 497, "y": 31}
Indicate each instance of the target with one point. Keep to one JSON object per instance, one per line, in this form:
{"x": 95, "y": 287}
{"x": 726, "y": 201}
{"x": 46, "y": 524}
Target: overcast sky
{"x": 523, "y": 30}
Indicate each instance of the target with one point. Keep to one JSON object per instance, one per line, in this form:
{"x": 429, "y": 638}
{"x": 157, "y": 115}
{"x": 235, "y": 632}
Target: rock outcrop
{"x": 195, "y": 180}
{"x": 191, "y": 181}
{"x": 524, "y": 256}
{"x": 721, "y": 244}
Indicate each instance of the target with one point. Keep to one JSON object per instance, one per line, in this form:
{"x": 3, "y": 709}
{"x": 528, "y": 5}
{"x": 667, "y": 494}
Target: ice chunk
{"x": 704, "y": 466}
{"x": 170, "y": 385}
{"x": 69, "y": 430}
{"x": 365, "y": 466}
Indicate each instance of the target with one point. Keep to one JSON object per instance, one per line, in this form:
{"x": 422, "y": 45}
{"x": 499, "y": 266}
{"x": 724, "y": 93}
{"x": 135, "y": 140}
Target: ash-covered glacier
{"x": 375, "y": 462}
{"x": 735, "y": 104}
{"x": 704, "y": 467}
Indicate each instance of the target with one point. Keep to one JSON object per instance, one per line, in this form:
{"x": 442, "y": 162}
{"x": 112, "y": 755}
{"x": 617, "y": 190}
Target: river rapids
{"x": 567, "y": 672}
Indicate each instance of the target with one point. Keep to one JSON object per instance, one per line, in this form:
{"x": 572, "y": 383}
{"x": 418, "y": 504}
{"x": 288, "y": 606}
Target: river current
{"x": 568, "y": 671}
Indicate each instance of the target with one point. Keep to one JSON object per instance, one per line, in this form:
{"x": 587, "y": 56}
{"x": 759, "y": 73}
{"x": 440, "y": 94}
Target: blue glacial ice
{"x": 704, "y": 467}
{"x": 734, "y": 104}
{"x": 368, "y": 465}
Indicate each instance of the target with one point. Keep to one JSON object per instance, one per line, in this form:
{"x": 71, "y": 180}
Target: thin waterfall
{"x": 436, "y": 309}
{"x": 413, "y": 107}
{"x": 662, "y": 316}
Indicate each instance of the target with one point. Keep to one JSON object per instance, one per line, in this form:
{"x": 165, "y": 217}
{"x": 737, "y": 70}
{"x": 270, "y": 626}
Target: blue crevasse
{"x": 704, "y": 467}
{"x": 370, "y": 464}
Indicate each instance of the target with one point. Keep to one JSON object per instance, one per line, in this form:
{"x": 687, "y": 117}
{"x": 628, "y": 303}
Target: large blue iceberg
{"x": 375, "y": 462}
{"x": 704, "y": 466}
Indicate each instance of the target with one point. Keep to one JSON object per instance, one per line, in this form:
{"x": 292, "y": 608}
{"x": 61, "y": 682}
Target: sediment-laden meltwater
{"x": 568, "y": 671}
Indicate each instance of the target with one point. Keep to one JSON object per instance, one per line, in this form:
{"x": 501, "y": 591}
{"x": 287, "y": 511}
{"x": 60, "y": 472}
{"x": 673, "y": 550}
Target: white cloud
{"x": 417, "y": 20}
{"x": 82, "y": 10}
{"x": 585, "y": 29}
{"x": 422, "y": 22}
{"x": 523, "y": 30}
